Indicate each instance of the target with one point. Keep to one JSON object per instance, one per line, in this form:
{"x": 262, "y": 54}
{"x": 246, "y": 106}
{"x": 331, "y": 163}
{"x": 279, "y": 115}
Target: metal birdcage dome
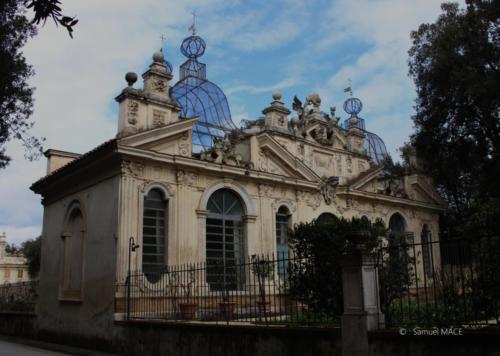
{"x": 198, "y": 97}
{"x": 353, "y": 106}
{"x": 193, "y": 46}
{"x": 373, "y": 144}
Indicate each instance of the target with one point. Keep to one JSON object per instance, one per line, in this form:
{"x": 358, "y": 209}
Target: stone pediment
{"x": 174, "y": 138}
{"x": 420, "y": 189}
{"x": 275, "y": 158}
{"x": 414, "y": 187}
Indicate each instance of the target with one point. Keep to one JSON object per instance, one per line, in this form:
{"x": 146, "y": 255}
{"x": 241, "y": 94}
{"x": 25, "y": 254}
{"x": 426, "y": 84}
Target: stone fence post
{"x": 361, "y": 301}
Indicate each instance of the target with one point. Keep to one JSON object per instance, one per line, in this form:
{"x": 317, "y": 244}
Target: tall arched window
{"x": 225, "y": 246}
{"x": 427, "y": 257}
{"x": 154, "y": 233}
{"x": 72, "y": 274}
{"x": 282, "y": 226}
{"x": 397, "y": 225}
{"x": 282, "y": 247}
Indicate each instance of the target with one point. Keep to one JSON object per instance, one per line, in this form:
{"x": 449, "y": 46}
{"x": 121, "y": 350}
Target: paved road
{"x": 12, "y": 349}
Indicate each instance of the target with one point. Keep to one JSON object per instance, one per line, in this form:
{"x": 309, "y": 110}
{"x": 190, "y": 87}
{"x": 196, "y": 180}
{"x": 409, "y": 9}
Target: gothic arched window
{"x": 154, "y": 233}
{"x": 225, "y": 246}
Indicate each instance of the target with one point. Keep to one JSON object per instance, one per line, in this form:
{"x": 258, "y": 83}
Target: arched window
{"x": 225, "y": 247}
{"x": 154, "y": 233}
{"x": 326, "y": 218}
{"x": 397, "y": 224}
{"x": 426, "y": 239}
{"x": 72, "y": 274}
{"x": 282, "y": 227}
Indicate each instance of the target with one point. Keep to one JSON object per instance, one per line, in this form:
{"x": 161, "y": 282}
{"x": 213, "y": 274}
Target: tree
{"x": 315, "y": 274}
{"x": 16, "y": 96}
{"x": 455, "y": 65}
{"x": 31, "y": 249}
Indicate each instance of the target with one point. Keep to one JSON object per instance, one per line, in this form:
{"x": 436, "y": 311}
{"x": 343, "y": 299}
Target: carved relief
{"x": 159, "y": 85}
{"x": 134, "y": 169}
{"x": 158, "y": 118}
{"x": 339, "y": 164}
{"x": 301, "y": 151}
{"x": 314, "y": 200}
{"x": 286, "y": 202}
{"x": 184, "y": 145}
{"x": 186, "y": 178}
{"x": 265, "y": 190}
{"x": 349, "y": 164}
{"x": 132, "y": 111}
{"x": 327, "y": 189}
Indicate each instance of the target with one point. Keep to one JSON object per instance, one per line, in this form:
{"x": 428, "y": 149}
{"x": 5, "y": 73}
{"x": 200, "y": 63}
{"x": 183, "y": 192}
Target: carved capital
{"x": 131, "y": 168}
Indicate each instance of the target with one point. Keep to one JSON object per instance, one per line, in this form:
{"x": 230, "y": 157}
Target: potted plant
{"x": 187, "y": 306}
{"x": 227, "y": 306}
{"x": 264, "y": 270}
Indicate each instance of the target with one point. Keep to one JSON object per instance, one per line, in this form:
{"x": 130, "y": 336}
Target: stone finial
{"x": 158, "y": 57}
{"x": 131, "y": 78}
{"x": 277, "y": 96}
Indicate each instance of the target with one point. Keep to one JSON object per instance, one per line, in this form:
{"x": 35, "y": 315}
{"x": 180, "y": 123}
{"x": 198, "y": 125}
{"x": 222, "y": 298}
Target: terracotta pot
{"x": 188, "y": 310}
{"x": 263, "y": 307}
{"x": 227, "y": 309}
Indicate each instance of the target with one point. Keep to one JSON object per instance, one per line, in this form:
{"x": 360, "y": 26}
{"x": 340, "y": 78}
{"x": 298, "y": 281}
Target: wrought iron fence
{"x": 19, "y": 296}
{"x": 256, "y": 291}
{"x": 447, "y": 283}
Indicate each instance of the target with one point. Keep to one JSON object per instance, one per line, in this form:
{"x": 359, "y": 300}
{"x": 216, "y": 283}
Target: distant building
{"x": 13, "y": 267}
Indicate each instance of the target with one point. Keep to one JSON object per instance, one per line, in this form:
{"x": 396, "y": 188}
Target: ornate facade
{"x": 186, "y": 185}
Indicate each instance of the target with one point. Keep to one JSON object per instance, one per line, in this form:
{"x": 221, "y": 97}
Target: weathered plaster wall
{"x": 93, "y": 315}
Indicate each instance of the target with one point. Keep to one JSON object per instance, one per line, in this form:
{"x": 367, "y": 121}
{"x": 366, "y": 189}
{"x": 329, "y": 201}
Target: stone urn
{"x": 227, "y": 309}
{"x": 188, "y": 310}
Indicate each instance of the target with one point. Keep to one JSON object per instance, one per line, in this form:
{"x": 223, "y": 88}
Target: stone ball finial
{"x": 277, "y": 96}
{"x": 131, "y": 78}
{"x": 158, "y": 57}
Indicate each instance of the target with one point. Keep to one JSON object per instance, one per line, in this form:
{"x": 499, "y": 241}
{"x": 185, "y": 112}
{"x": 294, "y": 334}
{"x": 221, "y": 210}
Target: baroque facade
{"x": 186, "y": 185}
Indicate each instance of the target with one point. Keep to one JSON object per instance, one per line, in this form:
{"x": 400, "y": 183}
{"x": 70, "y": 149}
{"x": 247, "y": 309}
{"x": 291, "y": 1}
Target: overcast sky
{"x": 254, "y": 48}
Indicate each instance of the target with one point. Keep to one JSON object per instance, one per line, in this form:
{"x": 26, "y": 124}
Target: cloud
{"x": 252, "y": 89}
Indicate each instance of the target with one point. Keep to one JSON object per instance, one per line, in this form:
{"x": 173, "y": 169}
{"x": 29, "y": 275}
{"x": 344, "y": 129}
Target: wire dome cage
{"x": 353, "y": 106}
{"x": 201, "y": 98}
{"x": 373, "y": 144}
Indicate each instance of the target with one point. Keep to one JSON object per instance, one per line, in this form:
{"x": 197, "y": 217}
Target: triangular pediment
{"x": 274, "y": 158}
{"x": 414, "y": 187}
{"x": 366, "y": 179}
{"x": 174, "y": 138}
{"x": 422, "y": 190}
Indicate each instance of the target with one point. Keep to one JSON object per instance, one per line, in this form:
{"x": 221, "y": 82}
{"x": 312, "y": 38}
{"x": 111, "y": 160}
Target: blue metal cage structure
{"x": 373, "y": 144}
{"x": 198, "y": 97}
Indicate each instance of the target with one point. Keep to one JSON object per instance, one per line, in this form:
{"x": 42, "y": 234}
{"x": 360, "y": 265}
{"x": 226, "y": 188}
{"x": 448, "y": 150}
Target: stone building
{"x": 13, "y": 267}
{"x": 186, "y": 184}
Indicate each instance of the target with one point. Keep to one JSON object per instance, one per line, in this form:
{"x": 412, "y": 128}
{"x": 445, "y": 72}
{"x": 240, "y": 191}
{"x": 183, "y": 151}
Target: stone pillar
{"x": 361, "y": 302}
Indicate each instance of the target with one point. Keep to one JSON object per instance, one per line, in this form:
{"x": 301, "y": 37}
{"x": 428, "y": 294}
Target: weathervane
{"x": 192, "y": 28}
{"x": 163, "y": 38}
{"x": 349, "y": 88}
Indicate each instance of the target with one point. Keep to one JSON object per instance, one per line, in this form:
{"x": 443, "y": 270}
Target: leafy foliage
{"x": 45, "y": 9}
{"x": 455, "y": 65}
{"x": 16, "y": 103}
{"x": 16, "y": 96}
{"x": 315, "y": 277}
{"x": 395, "y": 272}
{"x": 31, "y": 249}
